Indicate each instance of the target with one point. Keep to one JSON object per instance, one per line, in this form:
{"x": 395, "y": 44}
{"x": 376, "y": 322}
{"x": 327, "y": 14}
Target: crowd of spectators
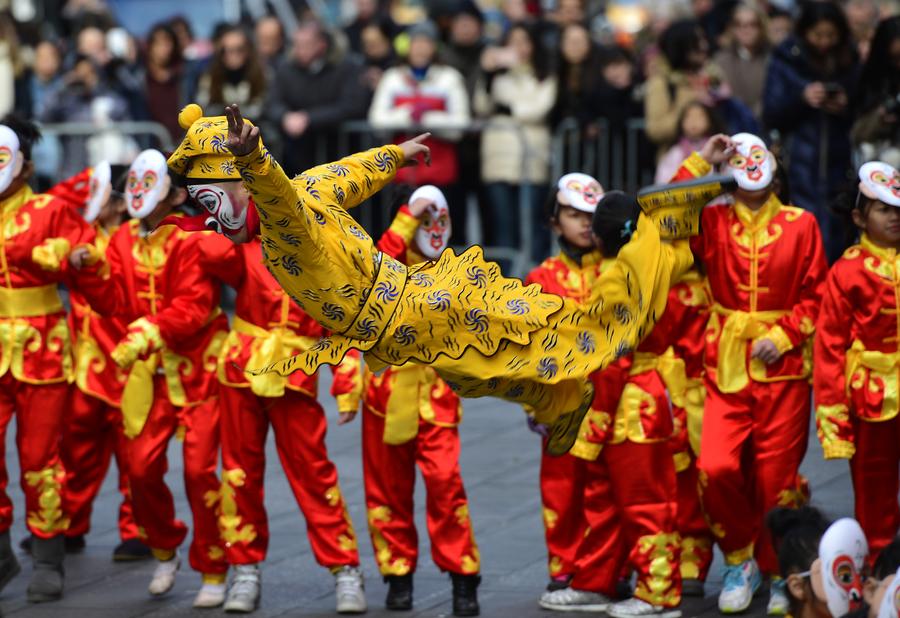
{"x": 818, "y": 79}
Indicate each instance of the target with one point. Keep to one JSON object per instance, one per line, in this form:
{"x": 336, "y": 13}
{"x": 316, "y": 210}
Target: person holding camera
{"x": 807, "y": 99}
{"x": 876, "y": 133}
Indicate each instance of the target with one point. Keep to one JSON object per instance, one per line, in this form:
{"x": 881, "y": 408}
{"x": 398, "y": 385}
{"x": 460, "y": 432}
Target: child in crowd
{"x": 698, "y": 122}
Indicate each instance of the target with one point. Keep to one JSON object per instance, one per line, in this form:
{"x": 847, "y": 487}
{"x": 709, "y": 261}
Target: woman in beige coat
{"x": 516, "y": 142}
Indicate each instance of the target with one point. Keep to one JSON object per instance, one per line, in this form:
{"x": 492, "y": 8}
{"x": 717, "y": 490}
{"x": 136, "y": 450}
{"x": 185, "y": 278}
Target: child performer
{"x": 93, "y": 427}
{"x": 765, "y": 263}
{"x": 857, "y": 355}
{"x": 484, "y": 334}
{"x": 268, "y": 325}
{"x": 411, "y": 419}
{"x": 628, "y": 491}
{"x": 37, "y": 233}
{"x": 156, "y": 284}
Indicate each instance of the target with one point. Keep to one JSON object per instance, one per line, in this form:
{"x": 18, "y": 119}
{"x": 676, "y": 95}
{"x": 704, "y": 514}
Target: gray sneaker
{"x": 571, "y": 600}
{"x": 246, "y": 585}
{"x": 350, "y": 591}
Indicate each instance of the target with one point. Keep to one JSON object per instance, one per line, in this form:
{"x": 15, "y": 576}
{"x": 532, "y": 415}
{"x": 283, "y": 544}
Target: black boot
{"x": 465, "y": 594}
{"x": 9, "y": 565}
{"x": 47, "y": 579}
{"x": 130, "y": 550}
{"x": 74, "y": 544}
{"x": 400, "y": 592}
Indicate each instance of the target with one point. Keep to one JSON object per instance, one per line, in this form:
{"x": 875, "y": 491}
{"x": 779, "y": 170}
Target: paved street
{"x": 500, "y": 467}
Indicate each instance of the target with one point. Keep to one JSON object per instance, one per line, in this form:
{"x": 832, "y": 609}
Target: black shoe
{"x": 47, "y": 577}
{"x": 558, "y": 584}
{"x": 131, "y": 550}
{"x": 74, "y": 544}
{"x": 465, "y": 594}
{"x": 400, "y": 592}
{"x": 9, "y": 565}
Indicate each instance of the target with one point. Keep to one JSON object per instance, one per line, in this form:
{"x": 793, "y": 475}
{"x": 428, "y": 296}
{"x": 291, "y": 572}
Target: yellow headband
{"x": 203, "y": 154}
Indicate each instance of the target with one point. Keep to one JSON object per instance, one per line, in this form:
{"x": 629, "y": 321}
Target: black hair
{"x": 888, "y": 561}
{"x": 796, "y": 534}
{"x": 679, "y": 40}
{"x": 879, "y": 77}
{"x": 813, "y": 12}
{"x": 27, "y": 132}
{"x": 176, "y": 56}
{"x": 615, "y": 220}
{"x": 716, "y": 123}
{"x": 539, "y": 59}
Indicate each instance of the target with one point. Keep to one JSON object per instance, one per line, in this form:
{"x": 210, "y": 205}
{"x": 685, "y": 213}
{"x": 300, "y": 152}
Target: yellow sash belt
{"x": 401, "y": 416}
{"x": 29, "y": 302}
{"x": 137, "y": 396}
{"x": 883, "y": 365}
{"x": 270, "y": 346}
{"x": 670, "y": 369}
{"x": 740, "y": 327}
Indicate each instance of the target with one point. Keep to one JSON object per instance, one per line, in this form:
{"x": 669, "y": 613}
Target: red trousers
{"x": 390, "y": 479}
{"x": 752, "y": 445}
{"x": 299, "y": 424}
{"x": 564, "y": 485}
{"x": 91, "y": 436}
{"x": 875, "y": 470}
{"x": 154, "y": 507}
{"x": 630, "y": 508}
{"x": 39, "y": 412}
{"x": 696, "y": 537}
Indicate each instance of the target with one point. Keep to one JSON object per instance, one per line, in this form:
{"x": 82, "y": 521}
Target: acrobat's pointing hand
{"x": 415, "y": 147}
{"x": 243, "y": 138}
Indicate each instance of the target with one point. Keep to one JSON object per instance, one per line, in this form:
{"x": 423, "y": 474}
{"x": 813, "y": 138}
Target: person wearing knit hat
{"x": 856, "y": 356}
{"x": 486, "y": 335}
{"x": 172, "y": 327}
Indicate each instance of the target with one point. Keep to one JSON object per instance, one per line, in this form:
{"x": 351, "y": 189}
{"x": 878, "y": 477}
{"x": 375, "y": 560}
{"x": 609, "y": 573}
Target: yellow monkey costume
{"x": 485, "y": 334}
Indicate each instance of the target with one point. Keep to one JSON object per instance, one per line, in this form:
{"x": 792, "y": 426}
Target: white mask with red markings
{"x": 11, "y": 158}
{"x": 843, "y": 551}
{"x": 148, "y": 183}
{"x": 880, "y": 181}
{"x": 580, "y": 191}
{"x": 99, "y": 190}
{"x": 225, "y": 217}
{"x": 435, "y": 227}
{"x": 752, "y": 164}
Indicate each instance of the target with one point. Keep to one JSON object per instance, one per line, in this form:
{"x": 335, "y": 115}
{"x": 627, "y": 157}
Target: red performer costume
{"x": 612, "y": 500}
{"x": 268, "y": 325}
{"x": 410, "y": 419}
{"x": 37, "y": 232}
{"x": 764, "y": 269}
{"x": 857, "y": 368}
{"x": 157, "y": 285}
{"x": 93, "y": 427}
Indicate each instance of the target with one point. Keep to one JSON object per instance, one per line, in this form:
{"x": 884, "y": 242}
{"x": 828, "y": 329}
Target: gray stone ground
{"x": 500, "y": 468}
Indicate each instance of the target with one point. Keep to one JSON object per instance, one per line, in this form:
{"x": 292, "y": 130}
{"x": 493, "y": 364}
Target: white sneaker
{"x": 243, "y": 596}
{"x": 210, "y": 595}
{"x": 636, "y": 607}
{"x": 164, "y": 576}
{"x": 571, "y": 600}
{"x": 349, "y": 590}
{"x": 740, "y": 583}
{"x": 779, "y": 604}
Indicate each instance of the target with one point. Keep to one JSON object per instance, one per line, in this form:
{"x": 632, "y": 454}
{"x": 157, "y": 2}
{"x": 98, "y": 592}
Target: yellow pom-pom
{"x": 189, "y": 115}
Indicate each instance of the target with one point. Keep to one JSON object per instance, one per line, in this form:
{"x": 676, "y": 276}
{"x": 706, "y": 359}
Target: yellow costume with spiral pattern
{"x": 485, "y": 334}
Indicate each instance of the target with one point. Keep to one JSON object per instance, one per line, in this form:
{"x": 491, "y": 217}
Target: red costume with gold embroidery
{"x": 857, "y": 371}
{"x": 37, "y": 233}
{"x": 93, "y": 424}
{"x": 410, "y": 418}
{"x": 612, "y": 500}
{"x": 764, "y": 270}
{"x": 156, "y": 284}
{"x": 268, "y": 326}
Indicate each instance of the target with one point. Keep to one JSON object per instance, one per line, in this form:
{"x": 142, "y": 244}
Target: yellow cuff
{"x": 739, "y": 556}
{"x": 405, "y": 226}
{"x": 163, "y": 555}
{"x": 697, "y": 165}
{"x": 583, "y": 449}
{"x": 777, "y": 336}
{"x": 214, "y": 578}
{"x": 839, "y": 449}
{"x": 347, "y": 403}
{"x": 50, "y": 254}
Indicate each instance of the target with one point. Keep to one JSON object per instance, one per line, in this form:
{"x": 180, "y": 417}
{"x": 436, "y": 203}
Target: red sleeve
{"x": 75, "y": 191}
{"x": 221, "y": 259}
{"x": 398, "y": 238}
{"x": 798, "y": 324}
{"x": 193, "y": 295}
{"x": 103, "y": 284}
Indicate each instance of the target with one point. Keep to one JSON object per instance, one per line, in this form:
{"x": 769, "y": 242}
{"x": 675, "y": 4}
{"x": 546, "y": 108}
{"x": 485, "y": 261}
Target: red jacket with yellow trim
{"x": 268, "y": 327}
{"x": 37, "y": 232}
{"x": 397, "y": 390}
{"x": 157, "y": 283}
{"x": 95, "y": 337}
{"x": 765, "y": 270}
{"x": 857, "y": 346}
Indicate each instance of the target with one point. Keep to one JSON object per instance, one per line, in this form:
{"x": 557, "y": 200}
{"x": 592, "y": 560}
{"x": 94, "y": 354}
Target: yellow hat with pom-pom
{"x": 203, "y": 154}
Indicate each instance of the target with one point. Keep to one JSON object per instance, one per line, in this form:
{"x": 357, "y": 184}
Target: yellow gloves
{"x": 51, "y": 254}
{"x": 143, "y": 338}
